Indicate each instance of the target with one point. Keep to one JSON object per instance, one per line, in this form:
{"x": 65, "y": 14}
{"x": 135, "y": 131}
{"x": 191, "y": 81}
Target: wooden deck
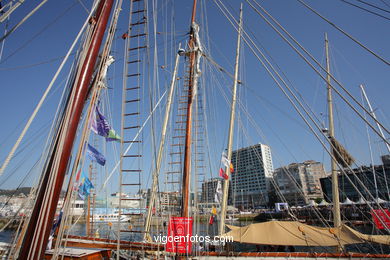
{"x": 81, "y": 253}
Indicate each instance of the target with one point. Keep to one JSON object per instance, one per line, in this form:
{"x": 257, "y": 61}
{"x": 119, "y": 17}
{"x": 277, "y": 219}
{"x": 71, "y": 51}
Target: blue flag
{"x": 85, "y": 187}
{"x": 95, "y": 155}
{"x": 56, "y": 223}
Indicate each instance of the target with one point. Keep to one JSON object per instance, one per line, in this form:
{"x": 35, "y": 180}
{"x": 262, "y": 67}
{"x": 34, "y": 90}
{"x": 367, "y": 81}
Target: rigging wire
{"x": 383, "y": 1}
{"x": 39, "y": 32}
{"x": 83, "y": 6}
{"x": 281, "y": 71}
{"x": 3, "y": 42}
{"x": 8, "y": 136}
{"x": 291, "y": 177}
{"x": 54, "y": 142}
{"x": 251, "y": 120}
{"x": 259, "y": 97}
{"x": 365, "y": 9}
{"x": 37, "y": 108}
{"x": 23, "y": 20}
{"x": 19, "y": 186}
{"x": 34, "y": 64}
{"x": 234, "y": 23}
{"x": 135, "y": 137}
{"x": 317, "y": 71}
{"x": 344, "y": 32}
{"x": 376, "y": 7}
{"x": 297, "y": 186}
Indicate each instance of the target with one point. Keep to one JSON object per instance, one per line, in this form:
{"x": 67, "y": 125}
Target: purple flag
{"x": 99, "y": 123}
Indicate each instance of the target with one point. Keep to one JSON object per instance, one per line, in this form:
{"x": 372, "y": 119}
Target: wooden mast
{"x": 187, "y": 146}
{"x": 40, "y": 224}
{"x": 155, "y": 175}
{"x": 335, "y": 181}
{"x": 231, "y": 130}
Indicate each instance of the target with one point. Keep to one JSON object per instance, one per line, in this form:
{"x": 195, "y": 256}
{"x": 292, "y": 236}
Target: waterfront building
{"x": 299, "y": 183}
{"x": 364, "y": 175}
{"x": 250, "y": 181}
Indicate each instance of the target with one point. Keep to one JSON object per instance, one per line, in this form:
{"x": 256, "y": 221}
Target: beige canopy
{"x": 380, "y": 239}
{"x": 297, "y": 234}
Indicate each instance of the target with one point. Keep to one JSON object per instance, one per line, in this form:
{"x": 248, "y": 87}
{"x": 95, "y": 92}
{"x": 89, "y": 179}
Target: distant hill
{"x": 24, "y": 190}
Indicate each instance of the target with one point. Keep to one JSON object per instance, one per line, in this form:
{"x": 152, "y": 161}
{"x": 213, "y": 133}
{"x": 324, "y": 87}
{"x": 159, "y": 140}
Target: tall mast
{"x": 225, "y": 193}
{"x": 42, "y": 216}
{"x": 372, "y": 112}
{"x": 161, "y": 150}
{"x": 369, "y": 147}
{"x": 187, "y": 145}
{"x": 384, "y": 138}
{"x": 335, "y": 181}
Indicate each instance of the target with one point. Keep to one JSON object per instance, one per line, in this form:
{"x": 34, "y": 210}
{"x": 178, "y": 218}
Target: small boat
{"x": 245, "y": 213}
{"x": 114, "y": 217}
{"x": 231, "y": 219}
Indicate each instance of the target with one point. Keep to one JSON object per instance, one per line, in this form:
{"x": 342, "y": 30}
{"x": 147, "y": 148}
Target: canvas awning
{"x": 323, "y": 203}
{"x": 361, "y": 201}
{"x": 347, "y": 201}
{"x": 380, "y": 239}
{"x": 378, "y": 200}
{"x": 295, "y": 233}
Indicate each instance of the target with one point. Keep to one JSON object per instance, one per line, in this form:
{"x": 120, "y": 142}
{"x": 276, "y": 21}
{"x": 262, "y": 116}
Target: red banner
{"x": 179, "y": 235}
{"x": 384, "y": 215}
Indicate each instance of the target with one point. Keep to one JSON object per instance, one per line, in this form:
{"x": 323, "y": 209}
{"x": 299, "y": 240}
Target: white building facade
{"x": 253, "y": 169}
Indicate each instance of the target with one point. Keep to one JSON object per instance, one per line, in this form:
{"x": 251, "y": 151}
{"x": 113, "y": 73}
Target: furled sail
{"x": 340, "y": 153}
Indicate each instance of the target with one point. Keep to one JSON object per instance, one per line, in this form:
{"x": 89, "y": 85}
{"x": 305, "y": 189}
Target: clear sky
{"x": 32, "y": 54}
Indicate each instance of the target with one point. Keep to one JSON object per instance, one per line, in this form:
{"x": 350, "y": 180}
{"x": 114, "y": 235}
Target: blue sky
{"x": 23, "y": 81}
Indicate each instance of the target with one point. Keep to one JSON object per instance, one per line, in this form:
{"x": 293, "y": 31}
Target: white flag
{"x": 224, "y": 160}
{"x": 218, "y": 193}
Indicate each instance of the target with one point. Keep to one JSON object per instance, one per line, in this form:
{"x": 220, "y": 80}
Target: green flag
{"x": 112, "y": 136}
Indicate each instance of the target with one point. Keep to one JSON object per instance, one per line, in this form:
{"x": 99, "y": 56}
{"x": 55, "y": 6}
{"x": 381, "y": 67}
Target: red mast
{"x": 41, "y": 221}
{"x": 187, "y": 146}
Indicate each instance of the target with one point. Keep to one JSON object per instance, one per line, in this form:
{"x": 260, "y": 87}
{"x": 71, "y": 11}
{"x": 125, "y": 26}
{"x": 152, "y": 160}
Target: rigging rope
{"x": 365, "y": 9}
{"x": 268, "y": 69}
{"x": 37, "y": 108}
{"x": 135, "y": 137}
{"x": 344, "y": 32}
{"x": 32, "y": 65}
{"x": 3, "y": 42}
{"x": 99, "y": 84}
{"x": 383, "y": 1}
{"x": 39, "y": 32}
{"x": 317, "y": 71}
{"x": 366, "y": 3}
{"x": 23, "y": 20}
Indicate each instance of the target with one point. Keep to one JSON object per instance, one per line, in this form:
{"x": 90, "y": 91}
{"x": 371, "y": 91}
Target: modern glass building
{"x": 250, "y": 181}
